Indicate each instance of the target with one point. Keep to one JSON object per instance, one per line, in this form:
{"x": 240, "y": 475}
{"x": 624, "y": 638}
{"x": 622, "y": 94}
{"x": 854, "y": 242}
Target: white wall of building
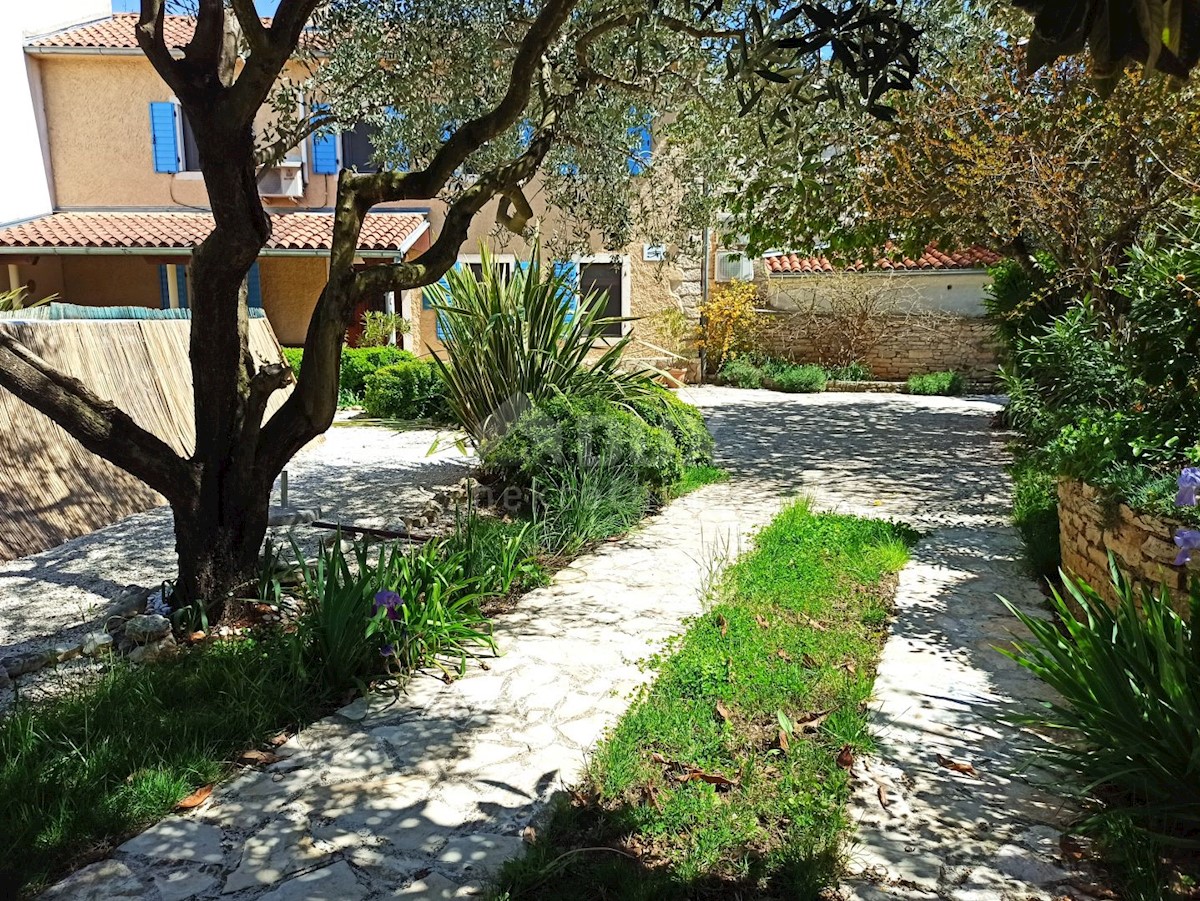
{"x": 25, "y": 178}
{"x": 956, "y": 291}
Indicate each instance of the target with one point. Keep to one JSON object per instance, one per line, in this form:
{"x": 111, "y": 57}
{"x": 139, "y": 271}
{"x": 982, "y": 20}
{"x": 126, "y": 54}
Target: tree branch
{"x": 150, "y": 38}
{"x": 97, "y": 424}
{"x": 253, "y": 29}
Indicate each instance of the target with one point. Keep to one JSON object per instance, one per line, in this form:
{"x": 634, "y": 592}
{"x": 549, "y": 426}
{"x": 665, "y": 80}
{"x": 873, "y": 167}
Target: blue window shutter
{"x": 639, "y": 159}
{"x": 164, "y": 135}
{"x": 569, "y": 271}
{"x": 324, "y": 147}
{"x": 181, "y": 284}
{"x": 525, "y": 133}
{"x": 253, "y": 287}
{"x": 164, "y": 293}
{"x": 427, "y": 296}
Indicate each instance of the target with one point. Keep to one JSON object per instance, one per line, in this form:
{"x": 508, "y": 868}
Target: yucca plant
{"x": 18, "y": 299}
{"x": 1129, "y": 719}
{"x": 513, "y": 339}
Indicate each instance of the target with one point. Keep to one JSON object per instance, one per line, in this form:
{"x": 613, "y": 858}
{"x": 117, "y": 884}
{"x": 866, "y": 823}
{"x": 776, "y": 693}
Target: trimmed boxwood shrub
{"x": 561, "y": 434}
{"x": 683, "y": 421}
{"x": 408, "y": 390}
{"x": 357, "y": 364}
{"x": 944, "y": 383}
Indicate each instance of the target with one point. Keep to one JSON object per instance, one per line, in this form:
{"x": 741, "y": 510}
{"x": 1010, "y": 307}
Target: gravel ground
{"x": 365, "y": 475}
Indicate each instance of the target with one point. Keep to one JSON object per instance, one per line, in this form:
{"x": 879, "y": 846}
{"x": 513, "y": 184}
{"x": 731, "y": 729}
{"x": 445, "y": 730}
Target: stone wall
{"x": 964, "y": 344}
{"x": 1090, "y": 527}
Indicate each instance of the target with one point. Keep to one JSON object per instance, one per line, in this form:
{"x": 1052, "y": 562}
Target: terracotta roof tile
{"x": 115, "y": 32}
{"x": 931, "y": 259}
{"x": 381, "y": 232}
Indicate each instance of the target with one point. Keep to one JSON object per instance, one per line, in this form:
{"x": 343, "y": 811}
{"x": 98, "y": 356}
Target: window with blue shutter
{"x": 253, "y": 287}
{"x": 639, "y": 157}
{"x": 525, "y": 133}
{"x": 164, "y": 135}
{"x": 181, "y": 286}
{"x": 569, "y": 273}
{"x": 324, "y": 147}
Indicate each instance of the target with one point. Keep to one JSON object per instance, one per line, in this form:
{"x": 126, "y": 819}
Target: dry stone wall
{"x": 963, "y": 344}
{"x": 1090, "y": 527}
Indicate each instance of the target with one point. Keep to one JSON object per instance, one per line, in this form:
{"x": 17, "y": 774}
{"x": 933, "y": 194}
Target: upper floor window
{"x": 191, "y": 153}
{"x": 358, "y": 148}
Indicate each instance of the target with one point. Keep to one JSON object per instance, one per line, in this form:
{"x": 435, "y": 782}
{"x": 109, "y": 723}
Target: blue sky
{"x": 265, "y": 7}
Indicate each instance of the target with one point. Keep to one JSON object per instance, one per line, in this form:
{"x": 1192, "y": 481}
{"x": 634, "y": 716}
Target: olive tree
{"x": 475, "y": 97}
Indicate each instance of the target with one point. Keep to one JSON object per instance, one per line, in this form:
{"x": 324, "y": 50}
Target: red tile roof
{"x": 381, "y": 232}
{"x": 931, "y": 259}
{"x": 115, "y": 32}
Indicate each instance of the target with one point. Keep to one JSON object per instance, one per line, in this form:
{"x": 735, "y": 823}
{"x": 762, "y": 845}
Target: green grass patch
{"x": 723, "y": 779}
{"x": 83, "y": 772}
{"x": 697, "y": 477}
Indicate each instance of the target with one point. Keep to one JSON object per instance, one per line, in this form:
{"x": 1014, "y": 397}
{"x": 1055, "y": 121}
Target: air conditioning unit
{"x": 733, "y": 264}
{"x": 283, "y": 180}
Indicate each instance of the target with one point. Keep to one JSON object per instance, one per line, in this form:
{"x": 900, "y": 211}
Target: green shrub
{"x": 1035, "y": 515}
{"x": 1129, "y": 718}
{"x": 512, "y": 340}
{"x": 935, "y": 383}
{"x": 741, "y": 373}
{"x": 684, "y": 422}
{"x": 409, "y": 390}
{"x": 563, "y": 433}
{"x": 796, "y": 379}
{"x": 294, "y": 357}
{"x": 1021, "y": 301}
{"x": 851, "y": 372}
{"x": 360, "y": 362}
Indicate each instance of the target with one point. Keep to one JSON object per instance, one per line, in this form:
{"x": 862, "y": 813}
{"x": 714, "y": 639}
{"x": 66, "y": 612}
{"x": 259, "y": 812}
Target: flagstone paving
{"x": 421, "y": 795}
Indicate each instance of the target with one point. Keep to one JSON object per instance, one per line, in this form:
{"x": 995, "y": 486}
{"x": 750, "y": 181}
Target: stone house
{"x": 126, "y": 204}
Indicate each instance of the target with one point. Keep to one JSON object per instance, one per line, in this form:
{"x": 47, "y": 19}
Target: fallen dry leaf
{"x": 723, "y": 712}
{"x": 883, "y": 798}
{"x": 783, "y": 655}
{"x": 813, "y": 624}
{"x": 762, "y": 621}
{"x": 783, "y": 740}
{"x": 965, "y": 768}
{"x": 812, "y": 722}
{"x": 695, "y": 775}
{"x": 196, "y": 798}
{"x": 723, "y": 623}
{"x": 658, "y": 758}
{"x": 529, "y": 835}
{"x": 845, "y": 758}
{"x": 255, "y": 757}
{"x": 276, "y": 740}
{"x": 808, "y": 662}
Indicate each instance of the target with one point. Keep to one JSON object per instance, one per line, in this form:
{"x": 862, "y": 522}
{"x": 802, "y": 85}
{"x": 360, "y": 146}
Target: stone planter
{"x": 1090, "y": 527}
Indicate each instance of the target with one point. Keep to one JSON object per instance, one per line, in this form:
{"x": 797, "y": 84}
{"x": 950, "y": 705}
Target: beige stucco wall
{"x": 40, "y": 276}
{"x": 290, "y": 289}
{"x": 111, "y": 281}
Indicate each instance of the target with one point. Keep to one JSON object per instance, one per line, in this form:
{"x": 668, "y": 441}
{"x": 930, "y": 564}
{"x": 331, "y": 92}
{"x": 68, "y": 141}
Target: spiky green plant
{"x": 1129, "y": 719}
{"x": 513, "y": 339}
{"x": 18, "y": 299}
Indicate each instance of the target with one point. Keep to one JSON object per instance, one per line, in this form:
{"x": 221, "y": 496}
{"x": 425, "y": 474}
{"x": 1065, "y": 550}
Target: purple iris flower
{"x": 391, "y": 602}
{"x": 1187, "y": 540}
{"x": 388, "y": 650}
{"x": 1189, "y": 482}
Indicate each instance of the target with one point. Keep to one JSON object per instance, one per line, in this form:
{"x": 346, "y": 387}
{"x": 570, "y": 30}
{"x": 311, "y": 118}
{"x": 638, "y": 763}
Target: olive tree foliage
{"x": 473, "y": 100}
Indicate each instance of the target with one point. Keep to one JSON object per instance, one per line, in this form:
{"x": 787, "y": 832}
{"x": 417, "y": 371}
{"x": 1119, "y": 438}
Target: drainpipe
{"x": 389, "y": 304}
{"x": 14, "y": 278}
{"x": 173, "y": 286}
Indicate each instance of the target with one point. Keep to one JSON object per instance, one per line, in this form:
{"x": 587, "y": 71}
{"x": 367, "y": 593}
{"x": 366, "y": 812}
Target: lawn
{"x": 730, "y": 773}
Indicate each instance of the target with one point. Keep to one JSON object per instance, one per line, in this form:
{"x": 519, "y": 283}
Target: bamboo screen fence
{"x": 51, "y": 488}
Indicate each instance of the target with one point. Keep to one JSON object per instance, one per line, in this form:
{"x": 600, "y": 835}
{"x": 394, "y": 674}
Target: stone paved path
{"x": 418, "y": 797}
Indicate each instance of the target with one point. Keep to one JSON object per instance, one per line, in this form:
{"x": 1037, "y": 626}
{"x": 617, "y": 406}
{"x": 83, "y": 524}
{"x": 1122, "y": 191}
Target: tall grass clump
{"x": 1128, "y": 723}
{"x": 515, "y": 339}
